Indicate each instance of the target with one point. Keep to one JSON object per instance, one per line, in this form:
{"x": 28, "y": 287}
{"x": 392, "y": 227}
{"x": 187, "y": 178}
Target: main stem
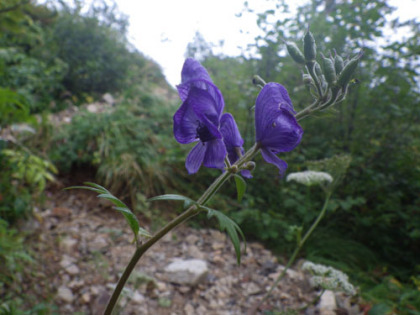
{"x": 189, "y": 213}
{"x": 296, "y": 251}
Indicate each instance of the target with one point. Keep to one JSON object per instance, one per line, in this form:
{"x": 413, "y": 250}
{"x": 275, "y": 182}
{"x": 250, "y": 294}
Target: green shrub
{"x": 97, "y": 54}
{"x": 14, "y": 259}
{"x": 130, "y": 146}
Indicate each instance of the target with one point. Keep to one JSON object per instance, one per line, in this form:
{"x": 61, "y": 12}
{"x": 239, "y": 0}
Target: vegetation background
{"x": 55, "y": 57}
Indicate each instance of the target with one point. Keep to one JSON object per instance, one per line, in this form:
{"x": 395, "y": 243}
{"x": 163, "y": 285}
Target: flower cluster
{"x": 200, "y": 119}
{"x": 329, "y": 278}
{"x": 309, "y": 178}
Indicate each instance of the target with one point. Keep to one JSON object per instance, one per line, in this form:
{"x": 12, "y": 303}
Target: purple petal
{"x": 212, "y": 90}
{"x": 246, "y": 173}
{"x": 230, "y": 131}
{"x": 195, "y": 158}
{"x": 267, "y": 106}
{"x": 271, "y": 158}
{"x": 193, "y": 70}
{"x": 283, "y": 134}
{"x": 185, "y": 123}
{"x": 231, "y": 136}
{"x": 205, "y": 105}
{"x": 215, "y": 154}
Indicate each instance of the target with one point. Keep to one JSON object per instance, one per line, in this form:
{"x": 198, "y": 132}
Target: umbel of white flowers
{"x": 329, "y": 278}
{"x": 310, "y": 178}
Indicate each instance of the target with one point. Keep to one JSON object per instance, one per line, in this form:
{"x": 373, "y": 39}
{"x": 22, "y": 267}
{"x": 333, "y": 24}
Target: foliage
{"x": 27, "y": 65}
{"x": 96, "y": 54}
{"x": 378, "y": 195}
{"x": 372, "y": 221}
{"x": 13, "y": 258}
{"x": 123, "y": 143}
{"x": 31, "y": 169}
{"x": 24, "y": 176}
{"x": 13, "y": 107}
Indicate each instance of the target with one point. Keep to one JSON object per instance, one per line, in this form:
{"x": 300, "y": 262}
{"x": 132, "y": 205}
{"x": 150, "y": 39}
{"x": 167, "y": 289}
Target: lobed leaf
{"x": 228, "y": 225}
{"x": 119, "y": 206}
{"x": 240, "y": 187}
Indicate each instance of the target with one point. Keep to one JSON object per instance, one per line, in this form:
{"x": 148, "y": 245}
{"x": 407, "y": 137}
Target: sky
{"x": 162, "y": 29}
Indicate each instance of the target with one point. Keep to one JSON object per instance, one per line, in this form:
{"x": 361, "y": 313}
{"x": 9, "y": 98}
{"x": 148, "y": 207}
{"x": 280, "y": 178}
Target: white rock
{"x": 327, "y": 304}
{"x": 97, "y": 244}
{"x": 189, "y": 272}
{"x": 250, "y": 288}
{"x": 137, "y": 298}
{"x": 68, "y": 244}
{"x": 65, "y": 294}
{"x": 86, "y": 298}
{"x": 189, "y": 309}
{"x": 72, "y": 270}
{"x": 93, "y": 108}
{"x": 195, "y": 252}
{"x": 108, "y": 98}
{"x": 67, "y": 263}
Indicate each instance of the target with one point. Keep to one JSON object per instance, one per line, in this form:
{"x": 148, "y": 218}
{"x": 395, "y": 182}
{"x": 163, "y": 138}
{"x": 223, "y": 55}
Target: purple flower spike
{"x": 276, "y": 127}
{"x": 198, "y": 118}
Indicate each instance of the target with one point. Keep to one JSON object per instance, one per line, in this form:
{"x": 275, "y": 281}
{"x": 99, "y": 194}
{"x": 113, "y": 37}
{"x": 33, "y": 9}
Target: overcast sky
{"x": 161, "y": 29}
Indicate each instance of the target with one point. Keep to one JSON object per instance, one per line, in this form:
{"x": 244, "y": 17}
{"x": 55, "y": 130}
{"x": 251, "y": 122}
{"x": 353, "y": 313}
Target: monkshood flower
{"x": 309, "y": 178}
{"x": 275, "y": 124}
{"x": 233, "y": 140}
{"x": 199, "y": 120}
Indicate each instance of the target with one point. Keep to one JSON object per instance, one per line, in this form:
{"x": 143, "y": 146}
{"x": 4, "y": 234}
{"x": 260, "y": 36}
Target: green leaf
{"x": 380, "y": 309}
{"x": 119, "y": 206}
{"x": 240, "y": 187}
{"x": 173, "y": 197}
{"x": 228, "y": 225}
{"x": 132, "y": 221}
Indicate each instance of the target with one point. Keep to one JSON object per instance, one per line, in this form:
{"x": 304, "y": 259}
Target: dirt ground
{"x": 82, "y": 246}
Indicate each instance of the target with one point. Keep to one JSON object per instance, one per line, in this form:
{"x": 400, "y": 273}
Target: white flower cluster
{"x": 329, "y": 278}
{"x": 310, "y": 178}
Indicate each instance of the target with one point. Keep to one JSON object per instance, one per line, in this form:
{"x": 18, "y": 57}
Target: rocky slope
{"x": 83, "y": 246}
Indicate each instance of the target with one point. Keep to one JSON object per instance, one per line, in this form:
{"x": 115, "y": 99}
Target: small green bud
{"x": 250, "y": 166}
{"x": 234, "y": 169}
{"x": 295, "y": 53}
{"x": 307, "y": 79}
{"x": 257, "y": 80}
{"x": 349, "y": 68}
{"x": 318, "y": 70}
{"x": 338, "y": 64}
{"x": 329, "y": 70}
{"x": 309, "y": 46}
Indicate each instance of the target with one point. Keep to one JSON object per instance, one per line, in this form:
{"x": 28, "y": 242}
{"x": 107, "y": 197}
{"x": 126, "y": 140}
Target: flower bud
{"x": 329, "y": 70}
{"x": 307, "y": 79}
{"x": 250, "y": 166}
{"x": 318, "y": 70}
{"x": 295, "y": 53}
{"x": 309, "y": 46}
{"x": 234, "y": 169}
{"x": 338, "y": 64}
{"x": 346, "y": 74}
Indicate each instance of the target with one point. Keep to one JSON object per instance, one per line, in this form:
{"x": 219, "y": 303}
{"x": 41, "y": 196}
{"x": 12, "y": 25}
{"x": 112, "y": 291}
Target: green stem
{"x": 310, "y": 66}
{"x": 189, "y": 213}
{"x": 313, "y": 302}
{"x": 307, "y": 111}
{"x": 296, "y": 251}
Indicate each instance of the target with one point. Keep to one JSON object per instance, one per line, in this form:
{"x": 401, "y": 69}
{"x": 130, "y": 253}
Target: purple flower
{"x": 276, "y": 127}
{"x": 233, "y": 140}
{"x": 198, "y": 118}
